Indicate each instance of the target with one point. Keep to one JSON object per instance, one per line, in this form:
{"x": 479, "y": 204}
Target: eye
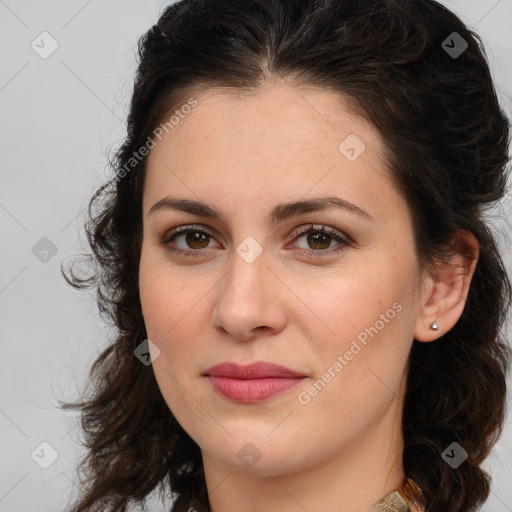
{"x": 193, "y": 237}
{"x": 197, "y": 239}
{"x": 320, "y": 237}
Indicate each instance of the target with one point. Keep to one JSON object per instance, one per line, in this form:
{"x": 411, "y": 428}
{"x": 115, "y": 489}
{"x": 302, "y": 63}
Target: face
{"x": 326, "y": 291}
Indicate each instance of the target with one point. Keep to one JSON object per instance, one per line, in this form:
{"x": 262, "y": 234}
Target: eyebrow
{"x": 280, "y": 212}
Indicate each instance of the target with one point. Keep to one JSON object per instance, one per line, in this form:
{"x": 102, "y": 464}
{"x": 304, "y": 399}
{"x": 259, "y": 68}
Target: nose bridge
{"x": 248, "y": 263}
{"x": 245, "y": 300}
{"x": 245, "y": 287}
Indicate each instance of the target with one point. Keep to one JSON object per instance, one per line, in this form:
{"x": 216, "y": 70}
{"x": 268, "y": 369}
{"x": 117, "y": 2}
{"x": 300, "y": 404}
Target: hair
{"x": 446, "y": 145}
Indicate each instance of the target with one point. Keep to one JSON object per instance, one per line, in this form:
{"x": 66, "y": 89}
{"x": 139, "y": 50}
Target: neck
{"x": 350, "y": 479}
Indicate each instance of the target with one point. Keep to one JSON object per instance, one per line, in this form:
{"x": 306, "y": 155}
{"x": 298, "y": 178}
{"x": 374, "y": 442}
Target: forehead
{"x": 278, "y": 113}
{"x": 261, "y": 146}
{"x": 278, "y": 123}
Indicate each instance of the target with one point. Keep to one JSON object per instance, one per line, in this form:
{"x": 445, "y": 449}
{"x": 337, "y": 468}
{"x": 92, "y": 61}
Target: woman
{"x": 308, "y": 299}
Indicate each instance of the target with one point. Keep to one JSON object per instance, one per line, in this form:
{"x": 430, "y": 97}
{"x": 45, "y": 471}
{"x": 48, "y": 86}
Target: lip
{"x": 257, "y": 370}
{"x": 253, "y": 382}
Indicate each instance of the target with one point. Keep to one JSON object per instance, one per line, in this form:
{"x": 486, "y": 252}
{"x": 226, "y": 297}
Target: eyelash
{"x": 181, "y": 230}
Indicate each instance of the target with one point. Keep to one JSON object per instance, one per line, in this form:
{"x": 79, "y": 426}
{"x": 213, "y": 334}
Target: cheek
{"x": 173, "y": 307}
{"x": 169, "y": 308}
{"x": 361, "y": 315}
{"x": 164, "y": 297}
{"x": 342, "y": 305}
{"x": 361, "y": 355}
{"x": 167, "y": 312}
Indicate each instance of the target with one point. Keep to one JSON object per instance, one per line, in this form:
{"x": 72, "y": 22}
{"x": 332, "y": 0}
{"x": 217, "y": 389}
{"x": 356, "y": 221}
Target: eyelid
{"x": 343, "y": 239}
{"x": 322, "y": 228}
{"x": 184, "y": 229}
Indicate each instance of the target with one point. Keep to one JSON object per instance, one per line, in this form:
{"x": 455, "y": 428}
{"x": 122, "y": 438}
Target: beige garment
{"x": 396, "y": 501}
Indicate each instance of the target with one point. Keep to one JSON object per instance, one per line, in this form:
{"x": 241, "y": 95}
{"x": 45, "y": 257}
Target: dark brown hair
{"x": 447, "y": 147}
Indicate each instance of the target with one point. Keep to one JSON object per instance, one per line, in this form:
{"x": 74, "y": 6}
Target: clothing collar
{"x": 408, "y": 498}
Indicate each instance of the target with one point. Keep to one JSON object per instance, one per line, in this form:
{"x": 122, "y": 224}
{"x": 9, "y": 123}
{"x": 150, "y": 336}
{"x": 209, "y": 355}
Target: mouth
{"x": 253, "y": 382}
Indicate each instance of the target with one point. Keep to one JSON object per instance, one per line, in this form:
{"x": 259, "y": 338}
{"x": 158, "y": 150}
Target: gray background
{"x": 59, "y": 117}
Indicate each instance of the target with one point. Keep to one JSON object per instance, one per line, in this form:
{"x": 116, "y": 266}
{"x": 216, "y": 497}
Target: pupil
{"x": 193, "y": 238}
{"x": 314, "y": 239}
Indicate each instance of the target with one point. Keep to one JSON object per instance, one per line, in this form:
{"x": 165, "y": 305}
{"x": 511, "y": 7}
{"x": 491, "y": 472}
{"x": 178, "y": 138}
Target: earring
{"x": 434, "y": 326}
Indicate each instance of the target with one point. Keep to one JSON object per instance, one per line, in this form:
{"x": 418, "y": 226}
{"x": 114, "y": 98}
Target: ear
{"x": 447, "y": 288}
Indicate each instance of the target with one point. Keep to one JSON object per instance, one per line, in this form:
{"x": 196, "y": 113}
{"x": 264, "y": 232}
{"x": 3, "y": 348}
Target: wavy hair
{"x": 447, "y": 142}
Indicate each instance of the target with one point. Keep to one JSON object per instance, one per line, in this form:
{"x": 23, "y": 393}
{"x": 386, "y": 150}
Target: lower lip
{"x": 251, "y": 390}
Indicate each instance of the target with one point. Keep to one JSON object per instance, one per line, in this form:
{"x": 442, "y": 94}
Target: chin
{"x": 261, "y": 457}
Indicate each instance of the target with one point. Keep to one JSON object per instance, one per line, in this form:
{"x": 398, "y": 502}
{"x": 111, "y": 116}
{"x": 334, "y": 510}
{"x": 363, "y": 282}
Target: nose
{"x": 248, "y": 300}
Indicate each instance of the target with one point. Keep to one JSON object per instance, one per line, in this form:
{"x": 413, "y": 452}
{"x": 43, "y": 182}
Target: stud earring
{"x": 434, "y": 326}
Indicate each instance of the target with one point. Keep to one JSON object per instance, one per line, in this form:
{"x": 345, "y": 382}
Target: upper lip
{"x": 257, "y": 370}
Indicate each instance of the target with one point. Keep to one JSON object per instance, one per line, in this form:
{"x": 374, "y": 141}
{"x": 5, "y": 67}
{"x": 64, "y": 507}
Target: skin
{"x": 243, "y": 155}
